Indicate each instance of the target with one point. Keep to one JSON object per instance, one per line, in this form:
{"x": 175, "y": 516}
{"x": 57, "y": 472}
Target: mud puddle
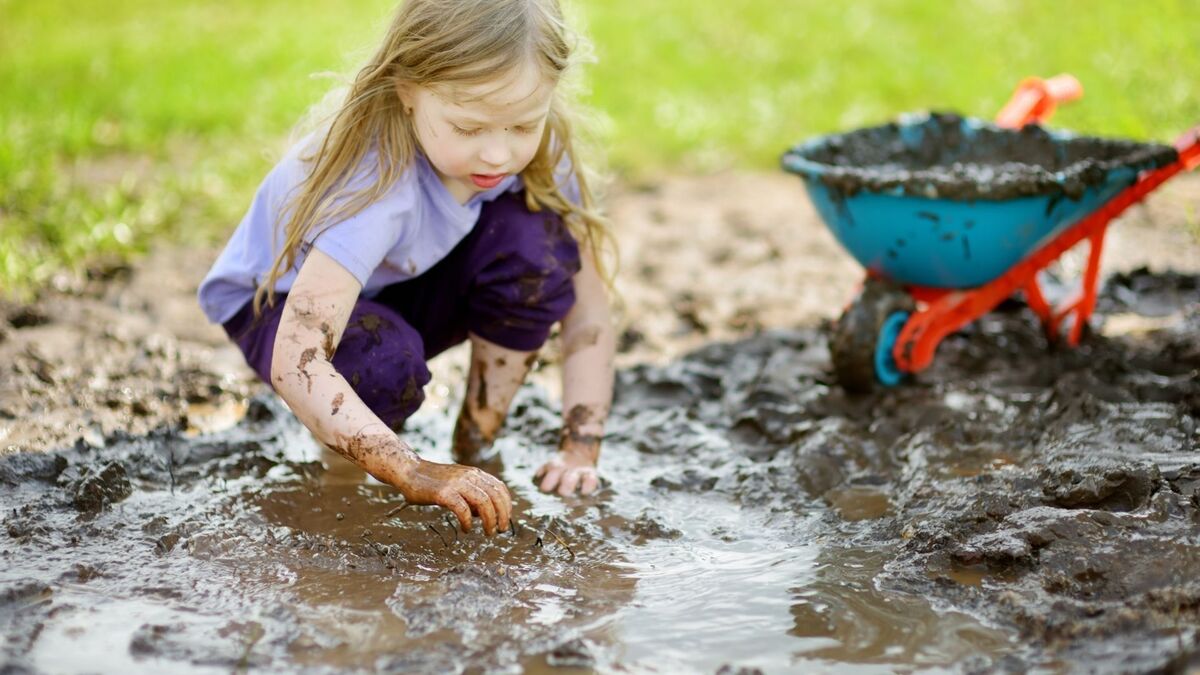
{"x": 1017, "y": 508}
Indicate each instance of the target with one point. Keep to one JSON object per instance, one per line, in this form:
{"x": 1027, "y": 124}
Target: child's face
{"x": 485, "y": 132}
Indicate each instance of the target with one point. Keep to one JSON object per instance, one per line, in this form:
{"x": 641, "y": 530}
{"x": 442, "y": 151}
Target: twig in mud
{"x": 562, "y": 543}
{"x": 540, "y": 542}
{"x": 449, "y": 519}
{"x": 381, "y": 550}
{"x": 396, "y": 511}
{"x": 438, "y": 533}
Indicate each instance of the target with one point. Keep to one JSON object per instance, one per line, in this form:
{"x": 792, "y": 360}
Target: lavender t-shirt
{"x": 412, "y": 227}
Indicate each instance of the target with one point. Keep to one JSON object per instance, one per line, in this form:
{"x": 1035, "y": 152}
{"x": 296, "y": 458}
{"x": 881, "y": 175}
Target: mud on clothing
{"x": 508, "y": 281}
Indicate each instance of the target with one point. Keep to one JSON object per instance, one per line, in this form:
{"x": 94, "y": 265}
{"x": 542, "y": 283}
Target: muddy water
{"x": 1017, "y": 508}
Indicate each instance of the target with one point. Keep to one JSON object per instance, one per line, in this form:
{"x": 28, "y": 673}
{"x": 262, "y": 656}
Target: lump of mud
{"x": 571, "y": 654}
{"x": 228, "y": 646}
{"x": 687, "y": 480}
{"x": 23, "y": 592}
{"x": 25, "y": 466}
{"x": 646, "y": 528}
{"x": 1106, "y": 486}
{"x": 95, "y": 490}
{"x": 728, "y": 669}
{"x": 1147, "y": 293}
{"x": 26, "y": 317}
{"x": 261, "y": 411}
{"x": 944, "y": 155}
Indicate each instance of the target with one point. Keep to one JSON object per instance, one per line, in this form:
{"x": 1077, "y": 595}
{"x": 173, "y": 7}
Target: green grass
{"x": 132, "y": 121}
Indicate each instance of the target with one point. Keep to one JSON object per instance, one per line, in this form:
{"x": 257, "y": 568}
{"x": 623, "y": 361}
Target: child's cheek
{"x": 527, "y": 152}
{"x": 457, "y": 160}
{"x": 468, "y": 157}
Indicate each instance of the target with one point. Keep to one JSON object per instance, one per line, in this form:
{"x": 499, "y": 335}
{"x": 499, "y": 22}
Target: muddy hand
{"x": 568, "y": 471}
{"x": 464, "y": 490}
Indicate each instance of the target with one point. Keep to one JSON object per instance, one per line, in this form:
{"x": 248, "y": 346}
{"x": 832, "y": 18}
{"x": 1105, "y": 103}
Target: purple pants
{"x": 508, "y": 282}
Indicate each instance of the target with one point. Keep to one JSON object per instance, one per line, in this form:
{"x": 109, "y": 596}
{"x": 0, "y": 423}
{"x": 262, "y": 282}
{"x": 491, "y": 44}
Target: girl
{"x": 443, "y": 203}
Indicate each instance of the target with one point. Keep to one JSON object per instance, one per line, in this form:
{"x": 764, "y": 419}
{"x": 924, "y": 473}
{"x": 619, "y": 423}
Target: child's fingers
{"x": 589, "y": 483}
{"x": 501, "y": 500}
{"x": 570, "y": 481}
{"x": 481, "y": 502}
{"x": 550, "y": 479}
{"x": 458, "y": 506}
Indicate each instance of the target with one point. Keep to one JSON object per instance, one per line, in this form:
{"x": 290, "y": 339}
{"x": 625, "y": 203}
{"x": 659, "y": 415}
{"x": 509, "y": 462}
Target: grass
{"x": 133, "y": 121}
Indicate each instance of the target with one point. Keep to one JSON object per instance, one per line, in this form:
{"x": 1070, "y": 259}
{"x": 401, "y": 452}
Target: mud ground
{"x": 1016, "y": 507}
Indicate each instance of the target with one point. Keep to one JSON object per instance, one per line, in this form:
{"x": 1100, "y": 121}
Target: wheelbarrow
{"x": 952, "y": 215}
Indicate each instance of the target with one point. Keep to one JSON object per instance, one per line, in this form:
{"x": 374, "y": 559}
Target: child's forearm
{"x": 324, "y": 401}
{"x": 314, "y": 316}
{"x": 588, "y": 349}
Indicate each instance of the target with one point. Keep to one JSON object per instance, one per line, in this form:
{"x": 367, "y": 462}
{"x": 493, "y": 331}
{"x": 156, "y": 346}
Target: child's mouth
{"x": 487, "y": 180}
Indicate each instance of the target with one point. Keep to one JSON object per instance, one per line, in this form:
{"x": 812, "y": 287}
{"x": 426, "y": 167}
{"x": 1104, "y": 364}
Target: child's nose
{"x": 495, "y": 153}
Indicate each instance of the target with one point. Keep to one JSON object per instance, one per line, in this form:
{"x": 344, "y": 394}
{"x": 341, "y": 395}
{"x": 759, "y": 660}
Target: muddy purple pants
{"x": 508, "y": 282}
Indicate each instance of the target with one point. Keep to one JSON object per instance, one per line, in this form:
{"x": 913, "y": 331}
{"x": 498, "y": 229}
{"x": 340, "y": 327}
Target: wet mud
{"x": 1017, "y": 507}
{"x": 988, "y": 163}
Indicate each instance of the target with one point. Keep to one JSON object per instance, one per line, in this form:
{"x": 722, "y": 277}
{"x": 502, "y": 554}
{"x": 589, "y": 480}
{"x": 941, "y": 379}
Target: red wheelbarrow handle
{"x": 1035, "y": 99}
{"x": 1188, "y": 147}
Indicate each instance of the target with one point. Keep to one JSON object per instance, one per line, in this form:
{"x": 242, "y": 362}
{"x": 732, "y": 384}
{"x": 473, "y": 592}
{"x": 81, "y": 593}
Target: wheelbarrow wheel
{"x": 862, "y": 342}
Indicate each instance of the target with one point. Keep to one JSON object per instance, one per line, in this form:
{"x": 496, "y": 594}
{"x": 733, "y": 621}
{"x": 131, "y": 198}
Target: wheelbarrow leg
{"x": 1037, "y": 302}
{"x": 1081, "y": 305}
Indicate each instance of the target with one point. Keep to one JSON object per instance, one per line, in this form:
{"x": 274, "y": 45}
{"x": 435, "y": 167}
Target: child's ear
{"x": 405, "y": 91}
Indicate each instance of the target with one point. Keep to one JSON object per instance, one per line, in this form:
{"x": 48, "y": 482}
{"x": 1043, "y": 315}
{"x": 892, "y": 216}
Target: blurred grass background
{"x": 128, "y": 122}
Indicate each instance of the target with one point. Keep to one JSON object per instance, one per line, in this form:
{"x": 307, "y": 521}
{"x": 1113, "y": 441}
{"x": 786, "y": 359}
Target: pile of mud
{"x": 1016, "y": 507}
{"x": 948, "y": 156}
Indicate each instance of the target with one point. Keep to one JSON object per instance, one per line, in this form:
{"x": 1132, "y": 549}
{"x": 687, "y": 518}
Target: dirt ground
{"x": 980, "y": 511}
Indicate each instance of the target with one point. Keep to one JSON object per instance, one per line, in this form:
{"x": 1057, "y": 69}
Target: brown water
{"x": 258, "y": 560}
{"x": 1016, "y": 509}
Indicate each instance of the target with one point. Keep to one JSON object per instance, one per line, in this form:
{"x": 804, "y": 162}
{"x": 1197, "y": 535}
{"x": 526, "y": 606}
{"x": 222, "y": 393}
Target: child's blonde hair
{"x": 439, "y": 42}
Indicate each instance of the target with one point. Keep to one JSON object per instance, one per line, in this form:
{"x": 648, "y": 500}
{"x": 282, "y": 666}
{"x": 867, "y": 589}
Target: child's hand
{"x": 462, "y": 489}
{"x": 569, "y": 470}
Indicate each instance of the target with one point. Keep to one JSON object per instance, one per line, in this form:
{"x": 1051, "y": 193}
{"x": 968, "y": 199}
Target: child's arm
{"x": 314, "y": 316}
{"x": 589, "y": 343}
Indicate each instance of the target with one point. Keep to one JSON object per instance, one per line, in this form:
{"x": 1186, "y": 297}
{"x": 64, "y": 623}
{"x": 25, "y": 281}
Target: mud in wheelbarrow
{"x": 950, "y": 215}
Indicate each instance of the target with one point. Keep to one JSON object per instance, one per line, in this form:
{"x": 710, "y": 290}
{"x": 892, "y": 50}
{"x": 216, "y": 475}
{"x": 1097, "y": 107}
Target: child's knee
{"x": 383, "y": 359}
{"x": 527, "y": 285}
{"x": 538, "y": 242}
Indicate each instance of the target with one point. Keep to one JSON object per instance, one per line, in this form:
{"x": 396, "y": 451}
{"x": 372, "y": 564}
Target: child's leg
{"x": 503, "y": 288}
{"x": 380, "y": 355}
{"x": 496, "y": 374}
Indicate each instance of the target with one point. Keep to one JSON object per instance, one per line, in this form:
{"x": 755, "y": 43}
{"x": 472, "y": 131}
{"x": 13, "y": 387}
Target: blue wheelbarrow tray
{"x": 943, "y": 201}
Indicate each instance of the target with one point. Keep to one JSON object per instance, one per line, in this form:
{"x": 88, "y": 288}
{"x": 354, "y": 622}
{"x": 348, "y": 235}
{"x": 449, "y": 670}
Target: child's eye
{"x": 523, "y": 129}
{"x": 464, "y": 132}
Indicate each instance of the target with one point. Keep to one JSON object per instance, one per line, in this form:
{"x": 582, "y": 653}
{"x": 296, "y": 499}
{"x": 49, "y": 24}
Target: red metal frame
{"x": 944, "y": 311}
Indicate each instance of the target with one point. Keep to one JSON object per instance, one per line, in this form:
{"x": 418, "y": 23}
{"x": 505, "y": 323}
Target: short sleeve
{"x": 361, "y": 242}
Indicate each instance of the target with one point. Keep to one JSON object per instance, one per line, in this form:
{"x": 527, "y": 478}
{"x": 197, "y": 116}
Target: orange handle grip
{"x": 1035, "y": 99}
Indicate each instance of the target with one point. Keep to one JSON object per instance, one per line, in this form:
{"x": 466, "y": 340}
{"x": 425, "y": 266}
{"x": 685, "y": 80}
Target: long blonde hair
{"x": 439, "y": 42}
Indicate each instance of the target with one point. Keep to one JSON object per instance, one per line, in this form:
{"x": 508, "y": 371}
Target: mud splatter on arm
{"x": 314, "y": 317}
{"x": 589, "y": 345}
